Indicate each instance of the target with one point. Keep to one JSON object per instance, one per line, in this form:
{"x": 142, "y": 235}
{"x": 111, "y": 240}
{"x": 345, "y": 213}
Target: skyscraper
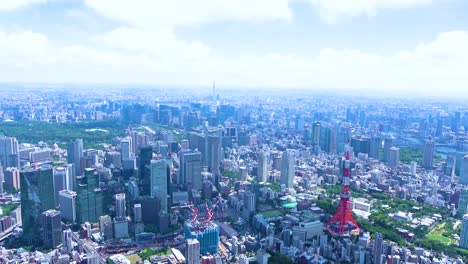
{"x": 190, "y": 169}
{"x": 192, "y": 247}
{"x": 375, "y": 147}
{"x": 2, "y": 179}
{"x": 37, "y": 196}
{"x": 60, "y": 182}
{"x": 9, "y": 156}
{"x": 464, "y": 170}
{"x": 464, "y": 232}
{"x": 428, "y": 157}
{"x": 126, "y": 148}
{"x": 89, "y": 200}
{"x": 67, "y": 240}
{"x": 463, "y": 202}
{"x": 51, "y": 227}
{"x": 388, "y": 143}
{"x": 120, "y": 206}
{"x": 145, "y": 156}
{"x": 316, "y": 136}
{"x": 159, "y": 170}
{"x": 214, "y": 152}
{"x": 262, "y": 168}
{"x": 288, "y": 162}
{"x": 67, "y": 200}
{"x": 394, "y": 157}
{"x": 74, "y": 155}
{"x": 378, "y": 248}
{"x": 328, "y": 138}
{"x": 12, "y": 179}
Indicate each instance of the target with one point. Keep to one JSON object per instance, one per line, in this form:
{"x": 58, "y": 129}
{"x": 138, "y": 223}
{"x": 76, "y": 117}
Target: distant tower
{"x": 464, "y": 232}
{"x": 428, "y": 157}
{"x": 120, "y": 205}
{"x": 214, "y": 90}
{"x": 262, "y": 168}
{"x": 287, "y": 168}
{"x": 343, "y": 222}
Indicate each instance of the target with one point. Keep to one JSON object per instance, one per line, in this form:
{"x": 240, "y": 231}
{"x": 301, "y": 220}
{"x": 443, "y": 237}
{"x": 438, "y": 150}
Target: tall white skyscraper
{"x": 159, "y": 173}
{"x": 262, "y": 168}
{"x": 287, "y": 168}
{"x": 192, "y": 247}
{"x": 428, "y": 157}
{"x": 120, "y": 211}
{"x": 61, "y": 182}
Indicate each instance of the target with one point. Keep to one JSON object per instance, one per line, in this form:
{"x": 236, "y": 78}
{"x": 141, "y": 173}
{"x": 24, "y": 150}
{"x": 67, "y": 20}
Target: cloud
{"x": 128, "y": 55}
{"x": 151, "y": 13}
{"x": 8, "y": 5}
{"x": 331, "y": 10}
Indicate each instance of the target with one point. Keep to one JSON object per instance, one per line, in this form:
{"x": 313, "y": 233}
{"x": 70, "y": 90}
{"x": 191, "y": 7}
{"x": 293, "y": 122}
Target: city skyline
{"x": 416, "y": 47}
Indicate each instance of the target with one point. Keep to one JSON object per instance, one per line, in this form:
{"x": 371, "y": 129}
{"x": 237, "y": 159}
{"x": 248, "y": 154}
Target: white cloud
{"x": 435, "y": 67}
{"x": 331, "y": 10}
{"x": 8, "y": 5}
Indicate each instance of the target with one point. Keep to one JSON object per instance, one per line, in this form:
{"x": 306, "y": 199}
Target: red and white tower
{"x": 343, "y": 222}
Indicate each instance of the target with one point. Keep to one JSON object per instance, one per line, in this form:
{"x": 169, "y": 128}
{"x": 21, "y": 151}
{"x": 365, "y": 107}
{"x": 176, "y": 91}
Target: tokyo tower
{"x": 343, "y": 223}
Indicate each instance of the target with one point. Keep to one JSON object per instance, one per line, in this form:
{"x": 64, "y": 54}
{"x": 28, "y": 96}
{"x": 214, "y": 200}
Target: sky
{"x": 380, "y": 46}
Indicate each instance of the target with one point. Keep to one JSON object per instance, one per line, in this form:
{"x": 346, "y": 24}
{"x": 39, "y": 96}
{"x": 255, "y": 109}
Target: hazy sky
{"x": 379, "y": 45}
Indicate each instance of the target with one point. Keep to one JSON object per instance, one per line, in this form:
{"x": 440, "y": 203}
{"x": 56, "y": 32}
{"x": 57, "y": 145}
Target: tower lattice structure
{"x": 343, "y": 222}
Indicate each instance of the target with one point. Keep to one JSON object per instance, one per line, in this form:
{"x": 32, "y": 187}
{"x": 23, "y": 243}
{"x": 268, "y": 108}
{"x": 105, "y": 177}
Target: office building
{"x": 145, "y": 156}
{"x": 288, "y": 163}
{"x": 126, "y": 148}
{"x": 113, "y": 159}
{"x": 192, "y": 248}
{"x": 262, "y": 167}
{"x": 37, "y": 196}
{"x": 463, "y": 202}
{"x": 160, "y": 174}
{"x": 12, "y": 179}
{"x": 378, "y": 249}
{"x": 464, "y": 232}
{"x": 67, "y": 240}
{"x": 89, "y": 199}
{"x": 375, "y": 147}
{"x": 51, "y": 227}
{"x": 214, "y": 153}
{"x": 9, "y": 152}
{"x": 2, "y": 180}
{"x": 67, "y": 200}
{"x": 207, "y": 233}
{"x": 74, "y": 155}
{"x": 137, "y": 213}
{"x": 394, "y": 157}
{"x": 464, "y": 170}
{"x": 327, "y": 138}
{"x": 120, "y": 228}
{"x": 190, "y": 169}
{"x": 316, "y": 128}
{"x": 106, "y": 227}
{"x": 61, "y": 182}
{"x": 120, "y": 206}
{"x": 428, "y": 157}
{"x": 388, "y": 143}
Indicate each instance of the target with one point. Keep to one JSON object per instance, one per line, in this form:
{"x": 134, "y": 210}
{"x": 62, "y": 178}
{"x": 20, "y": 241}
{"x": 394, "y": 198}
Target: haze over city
{"x": 417, "y": 47}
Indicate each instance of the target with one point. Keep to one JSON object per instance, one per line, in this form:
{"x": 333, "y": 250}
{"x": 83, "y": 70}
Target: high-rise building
{"x": 67, "y": 200}
{"x": 89, "y": 199}
{"x": 394, "y": 157}
{"x": 450, "y": 165}
{"x": 262, "y": 168}
{"x": 120, "y": 206}
{"x": 37, "y": 196}
{"x": 428, "y": 157}
{"x": 388, "y": 143}
{"x": 137, "y": 213}
{"x": 360, "y": 144}
{"x": 464, "y": 232}
{"x": 67, "y": 240}
{"x": 463, "y": 202}
{"x": 378, "y": 248}
{"x": 2, "y": 180}
{"x": 213, "y": 152}
{"x": 9, "y": 152}
{"x": 190, "y": 169}
{"x": 51, "y": 227}
{"x": 192, "y": 247}
{"x": 12, "y": 179}
{"x": 207, "y": 233}
{"x": 61, "y": 182}
{"x": 126, "y": 148}
{"x": 316, "y": 136}
{"x": 328, "y": 138}
{"x": 464, "y": 170}
{"x": 159, "y": 171}
{"x": 375, "y": 147}
{"x": 106, "y": 227}
{"x": 145, "y": 156}
{"x": 288, "y": 163}
{"x": 74, "y": 155}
